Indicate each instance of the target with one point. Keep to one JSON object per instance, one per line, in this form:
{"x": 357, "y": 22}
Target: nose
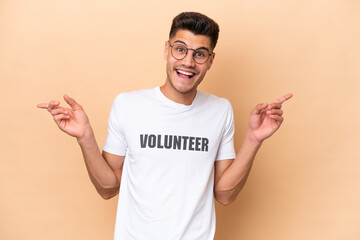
{"x": 189, "y": 59}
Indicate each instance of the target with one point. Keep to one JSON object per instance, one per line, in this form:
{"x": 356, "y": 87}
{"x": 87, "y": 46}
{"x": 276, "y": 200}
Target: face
{"x": 183, "y": 76}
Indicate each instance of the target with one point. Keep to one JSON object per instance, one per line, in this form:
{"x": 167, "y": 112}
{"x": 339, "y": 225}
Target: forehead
{"x": 192, "y": 40}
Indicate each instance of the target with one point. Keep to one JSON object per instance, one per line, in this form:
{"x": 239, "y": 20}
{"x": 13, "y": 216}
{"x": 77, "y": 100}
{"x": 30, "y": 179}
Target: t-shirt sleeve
{"x": 115, "y": 142}
{"x": 226, "y": 148}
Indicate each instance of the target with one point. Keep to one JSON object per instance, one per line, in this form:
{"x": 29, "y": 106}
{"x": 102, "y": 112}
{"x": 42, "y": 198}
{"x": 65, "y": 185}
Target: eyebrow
{"x": 182, "y": 42}
{"x": 179, "y": 41}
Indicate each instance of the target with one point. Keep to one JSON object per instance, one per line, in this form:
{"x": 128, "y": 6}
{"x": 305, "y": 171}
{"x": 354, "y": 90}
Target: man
{"x": 169, "y": 150}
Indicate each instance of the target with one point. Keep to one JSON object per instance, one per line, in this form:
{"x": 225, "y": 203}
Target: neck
{"x": 171, "y": 93}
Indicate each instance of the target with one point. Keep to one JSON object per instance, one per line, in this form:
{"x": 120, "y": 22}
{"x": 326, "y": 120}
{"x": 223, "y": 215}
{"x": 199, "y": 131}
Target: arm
{"x": 231, "y": 175}
{"x": 104, "y": 169}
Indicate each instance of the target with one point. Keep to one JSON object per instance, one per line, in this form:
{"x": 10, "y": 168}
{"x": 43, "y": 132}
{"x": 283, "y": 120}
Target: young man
{"x": 170, "y": 150}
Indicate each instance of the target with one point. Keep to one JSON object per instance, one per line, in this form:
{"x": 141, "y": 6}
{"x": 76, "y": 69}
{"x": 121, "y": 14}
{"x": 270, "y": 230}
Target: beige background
{"x": 305, "y": 183}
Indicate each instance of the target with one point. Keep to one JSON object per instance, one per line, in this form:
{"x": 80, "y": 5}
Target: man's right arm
{"x": 104, "y": 169}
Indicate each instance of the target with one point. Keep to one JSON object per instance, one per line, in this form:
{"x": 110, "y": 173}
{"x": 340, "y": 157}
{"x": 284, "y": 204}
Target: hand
{"x": 72, "y": 121}
{"x": 265, "y": 119}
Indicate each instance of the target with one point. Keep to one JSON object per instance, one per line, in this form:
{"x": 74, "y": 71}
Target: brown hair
{"x": 196, "y": 23}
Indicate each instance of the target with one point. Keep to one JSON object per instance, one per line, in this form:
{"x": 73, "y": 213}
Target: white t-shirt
{"x": 166, "y": 190}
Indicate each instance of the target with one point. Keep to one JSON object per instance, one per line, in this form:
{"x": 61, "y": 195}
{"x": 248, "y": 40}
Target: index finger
{"x": 42, "y": 105}
{"x": 284, "y": 98}
{"x": 49, "y": 106}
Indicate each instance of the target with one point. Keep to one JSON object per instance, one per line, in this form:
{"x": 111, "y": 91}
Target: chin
{"x": 185, "y": 91}
{"x": 184, "y": 88}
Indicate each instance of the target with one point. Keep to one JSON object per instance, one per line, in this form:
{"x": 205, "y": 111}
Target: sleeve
{"x": 226, "y": 148}
{"x": 115, "y": 142}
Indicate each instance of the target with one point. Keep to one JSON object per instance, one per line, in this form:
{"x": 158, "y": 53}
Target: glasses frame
{"x": 187, "y": 50}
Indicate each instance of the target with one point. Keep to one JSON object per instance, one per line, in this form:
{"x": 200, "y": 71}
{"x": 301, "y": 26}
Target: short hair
{"x": 197, "y": 23}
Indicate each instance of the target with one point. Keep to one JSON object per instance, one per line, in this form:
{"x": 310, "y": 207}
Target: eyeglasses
{"x": 179, "y": 52}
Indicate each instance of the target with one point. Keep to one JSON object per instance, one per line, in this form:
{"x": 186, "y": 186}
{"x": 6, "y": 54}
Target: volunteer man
{"x": 169, "y": 151}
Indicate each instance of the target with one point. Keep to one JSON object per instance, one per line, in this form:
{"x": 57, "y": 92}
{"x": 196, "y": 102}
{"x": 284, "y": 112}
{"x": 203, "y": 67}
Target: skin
{"x": 231, "y": 175}
{"x": 105, "y": 169}
{"x": 182, "y": 89}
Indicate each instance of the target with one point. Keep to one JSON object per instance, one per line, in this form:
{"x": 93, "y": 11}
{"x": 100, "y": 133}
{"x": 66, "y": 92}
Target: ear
{"x": 166, "y": 50}
{"x": 211, "y": 60}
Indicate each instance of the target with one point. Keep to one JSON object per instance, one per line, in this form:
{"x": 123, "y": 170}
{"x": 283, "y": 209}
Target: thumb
{"x": 73, "y": 104}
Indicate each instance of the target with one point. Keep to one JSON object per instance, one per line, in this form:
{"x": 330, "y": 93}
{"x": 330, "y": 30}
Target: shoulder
{"x": 214, "y": 101}
{"x": 136, "y": 95}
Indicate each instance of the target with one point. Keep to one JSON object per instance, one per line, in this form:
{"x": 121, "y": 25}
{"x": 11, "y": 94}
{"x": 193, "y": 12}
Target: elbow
{"x": 224, "y": 202}
{"x": 224, "y": 199}
{"x": 108, "y": 192}
{"x": 226, "y": 196}
{"x": 107, "y": 196}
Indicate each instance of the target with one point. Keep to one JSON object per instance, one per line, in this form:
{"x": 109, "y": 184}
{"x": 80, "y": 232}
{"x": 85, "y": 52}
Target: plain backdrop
{"x": 305, "y": 182}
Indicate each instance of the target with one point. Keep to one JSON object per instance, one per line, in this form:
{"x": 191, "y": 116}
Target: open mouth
{"x": 185, "y": 73}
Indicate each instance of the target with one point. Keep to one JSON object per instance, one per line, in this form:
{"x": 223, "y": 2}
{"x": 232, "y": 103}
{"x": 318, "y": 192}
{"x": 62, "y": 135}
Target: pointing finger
{"x": 42, "y": 105}
{"x": 274, "y": 105}
{"x": 52, "y": 105}
{"x": 284, "y": 98}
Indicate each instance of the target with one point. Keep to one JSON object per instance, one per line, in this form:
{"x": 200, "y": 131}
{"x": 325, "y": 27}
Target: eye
{"x": 201, "y": 54}
{"x": 180, "y": 49}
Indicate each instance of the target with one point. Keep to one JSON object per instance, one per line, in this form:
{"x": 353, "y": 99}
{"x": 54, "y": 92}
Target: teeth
{"x": 185, "y": 73}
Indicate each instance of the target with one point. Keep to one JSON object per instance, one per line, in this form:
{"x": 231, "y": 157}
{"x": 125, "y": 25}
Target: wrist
{"x": 251, "y": 139}
{"x": 86, "y": 137}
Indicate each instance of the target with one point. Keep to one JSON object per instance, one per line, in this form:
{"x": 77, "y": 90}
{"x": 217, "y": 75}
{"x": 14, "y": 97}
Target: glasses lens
{"x": 201, "y": 56}
{"x": 179, "y": 51}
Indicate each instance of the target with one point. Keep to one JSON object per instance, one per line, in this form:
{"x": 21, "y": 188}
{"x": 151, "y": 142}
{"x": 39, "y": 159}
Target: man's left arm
{"x": 231, "y": 175}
